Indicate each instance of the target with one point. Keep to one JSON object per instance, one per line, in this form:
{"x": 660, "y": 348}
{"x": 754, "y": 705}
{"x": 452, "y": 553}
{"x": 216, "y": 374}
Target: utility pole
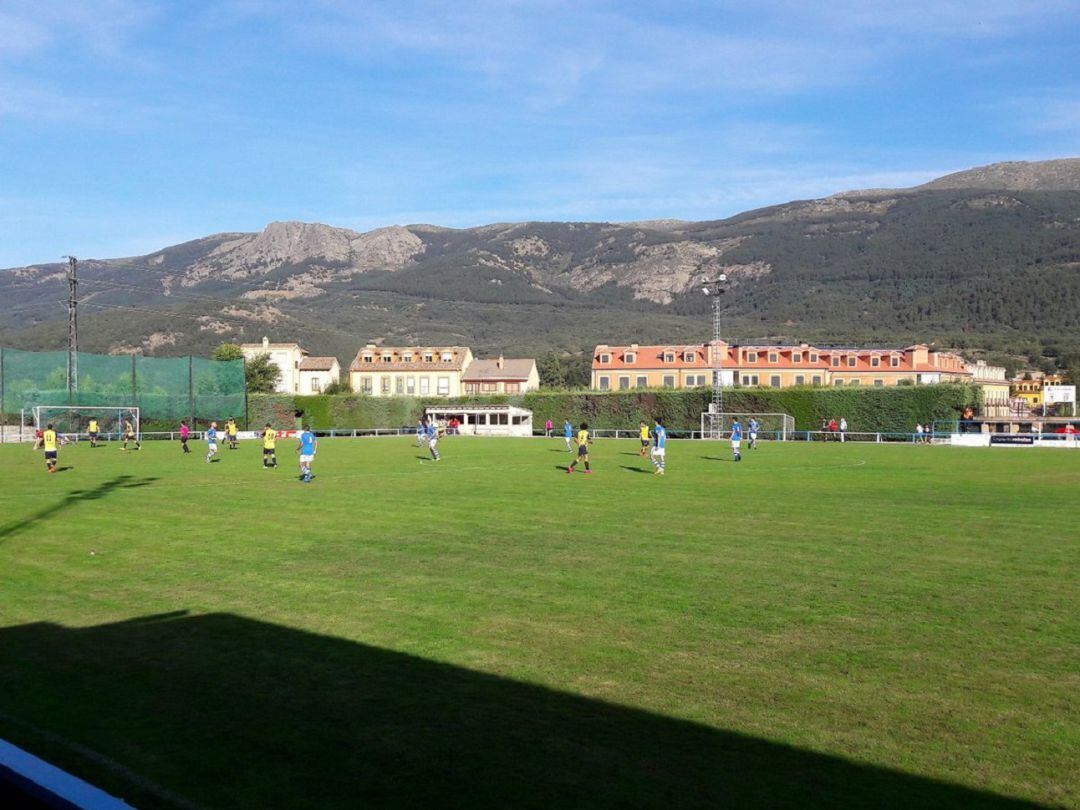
{"x": 715, "y": 289}
{"x": 73, "y": 329}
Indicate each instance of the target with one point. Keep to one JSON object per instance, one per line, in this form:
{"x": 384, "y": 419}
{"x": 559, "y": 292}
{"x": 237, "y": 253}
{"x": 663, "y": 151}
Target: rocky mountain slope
{"x": 987, "y": 259}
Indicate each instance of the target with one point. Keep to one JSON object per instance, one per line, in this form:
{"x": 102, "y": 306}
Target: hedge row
{"x": 866, "y": 409}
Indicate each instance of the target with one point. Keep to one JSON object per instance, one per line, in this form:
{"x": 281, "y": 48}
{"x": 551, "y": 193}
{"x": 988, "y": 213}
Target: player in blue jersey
{"x": 421, "y": 433}
{"x": 433, "y": 440}
{"x": 754, "y": 425}
{"x": 659, "y": 451}
{"x": 307, "y": 447}
{"x": 211, "y": 442}
{"x": 736, "y": 438}
{"x": 568, "y": 434}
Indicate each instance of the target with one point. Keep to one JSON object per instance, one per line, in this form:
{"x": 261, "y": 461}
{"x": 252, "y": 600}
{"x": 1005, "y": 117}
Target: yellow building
{"x": 408, "y": 371}
{"x": 1031, "y": 390}
{"x": 688, "y": 366}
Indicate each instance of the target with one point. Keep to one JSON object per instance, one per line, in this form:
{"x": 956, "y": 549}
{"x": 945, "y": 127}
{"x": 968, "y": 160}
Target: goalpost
{"x": 779, "y": 426}
{"x": 72, "y": 420}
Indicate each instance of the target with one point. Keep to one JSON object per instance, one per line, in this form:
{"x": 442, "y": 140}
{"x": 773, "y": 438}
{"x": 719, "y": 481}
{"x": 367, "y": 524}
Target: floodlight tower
{"x": 715, "y": 289}
{"x": 73, "y": 328}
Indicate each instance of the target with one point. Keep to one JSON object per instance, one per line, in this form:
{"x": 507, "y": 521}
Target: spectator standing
{"x": 549, "y": 428}
{"x": 843, "y": 429}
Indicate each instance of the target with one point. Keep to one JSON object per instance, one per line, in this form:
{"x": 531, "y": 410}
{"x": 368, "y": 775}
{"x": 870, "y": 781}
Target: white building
{"x": 286, "y": 356}
{"x": 317, "y": 373}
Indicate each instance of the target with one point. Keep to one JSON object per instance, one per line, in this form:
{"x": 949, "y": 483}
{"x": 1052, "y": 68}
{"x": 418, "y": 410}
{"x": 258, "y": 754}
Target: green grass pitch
{"x": 820, "y": 625}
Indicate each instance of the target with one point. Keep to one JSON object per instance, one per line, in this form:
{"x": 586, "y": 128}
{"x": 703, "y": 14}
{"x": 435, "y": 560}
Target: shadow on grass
{"x": 716, "y": 458}
{"x": 228, "y": 711}
{"x": 75, "y": 496}
{"x": 628, "y": 468}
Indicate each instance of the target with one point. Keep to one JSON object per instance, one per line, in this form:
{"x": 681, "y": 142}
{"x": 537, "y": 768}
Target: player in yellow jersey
{"x": 130, "y": 435}
{"x": 92, "y": 431}
{"x": 644, "y": 440}
{"x": 583, "y": 442}
{"x": 269, "y": 438}
{"x": 230, "y": 433}
{"x": 50, "y": 443}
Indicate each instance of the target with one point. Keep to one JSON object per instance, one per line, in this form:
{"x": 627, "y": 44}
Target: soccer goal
{"x": 73, "y": 420}
{"x": 779, "y": 426}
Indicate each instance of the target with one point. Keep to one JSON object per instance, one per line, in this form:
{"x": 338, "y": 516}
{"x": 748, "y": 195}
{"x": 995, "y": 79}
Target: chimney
{"x": 501, "y": 362}
{"x": 266, "y": 342}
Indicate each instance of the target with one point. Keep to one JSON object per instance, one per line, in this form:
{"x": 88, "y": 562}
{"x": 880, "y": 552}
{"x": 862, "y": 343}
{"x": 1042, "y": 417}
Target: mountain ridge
{"x": 983, "y": 264}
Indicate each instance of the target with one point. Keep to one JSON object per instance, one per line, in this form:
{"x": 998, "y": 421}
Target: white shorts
{"x": 753, "y": 436}
{"x": 306, "y": 459}
{"x": 735, "y": 444}
{"x": 212, "y": 447}
{"x": 659, "y": 452}
{"x": 432, "y": 442}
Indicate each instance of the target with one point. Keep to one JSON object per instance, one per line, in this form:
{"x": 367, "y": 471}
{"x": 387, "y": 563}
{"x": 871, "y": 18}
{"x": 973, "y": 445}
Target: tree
{"x": 262, "y": 376}
{"x": 228, "y": 351}
{"x": 564, "y": 371}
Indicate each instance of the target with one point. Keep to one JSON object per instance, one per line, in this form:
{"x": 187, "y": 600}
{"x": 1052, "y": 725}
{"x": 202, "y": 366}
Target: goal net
{"x": 779, "y": 426}
{"x": 74, "y": 420}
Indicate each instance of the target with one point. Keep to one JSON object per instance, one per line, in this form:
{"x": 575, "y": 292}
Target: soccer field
{"x": 819, "y": 625}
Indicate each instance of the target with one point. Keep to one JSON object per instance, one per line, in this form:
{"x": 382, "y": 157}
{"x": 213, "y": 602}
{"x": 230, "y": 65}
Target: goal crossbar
{"x": 73, "y": 420}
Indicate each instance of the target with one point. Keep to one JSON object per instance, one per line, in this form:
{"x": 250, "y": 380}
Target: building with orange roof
{"x": 620, "y": 368}
{"x": 386, "y": 371}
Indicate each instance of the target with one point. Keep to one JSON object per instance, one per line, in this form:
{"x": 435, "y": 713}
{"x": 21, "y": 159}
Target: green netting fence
{"x": 165, "y": 389}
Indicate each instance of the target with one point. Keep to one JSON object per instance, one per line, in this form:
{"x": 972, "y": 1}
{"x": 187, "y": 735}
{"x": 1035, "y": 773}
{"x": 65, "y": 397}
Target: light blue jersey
{"x": 432, "y": 430}
{"x": 307, "y": 443}
{"x": 736, "y": 432}
{"x": 754, "y": 426}
{"x": 568, "y": 430}
{"x": 211, "y": 436}
{"x": 660, "y": 437}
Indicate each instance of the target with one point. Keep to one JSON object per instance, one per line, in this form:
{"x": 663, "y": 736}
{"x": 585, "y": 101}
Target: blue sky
{"x": 128, "y": 125}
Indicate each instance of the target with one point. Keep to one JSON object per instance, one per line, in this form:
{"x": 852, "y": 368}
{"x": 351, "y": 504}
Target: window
{"x": 425, "y": 386}
{"x": 751, "y": 357}
{"x": 399, "y": 386}
{"x": 489, "y": 387}
{"x": 688, "y": 357}
{"x": 815, "y": 380}
{"x": 875, "y": 361}
{"x": 879, "y": 383}
{"x": 387, "y": 358}
{"x": 368, "y": 358}
{"x": 429, "y": 358}
{"x": 813, "y": 357}
{"x": 752, "y": 379}
{"x": 444, "y": 387}
{"x": 669, "y": 357}
{"x": 642, "y": 381}
{"x": 796, "y": 357}
{"x": 838, "y": 383}
{"x": 365, "y": 385}
{"x": 384, "y": 384}
{"x": 605, "y": 359}
{"x": 774, "y": 381}
{"x": 669, "y": 381}
{"x": 410, "y": 386}
{"x": 894, "y": 361}
{"x": 853, "y": 382}
{"x": 605, "y": 383}
{"x": 800, "y": 379}
{"x": 836, "y": 361}
{"x": 471, "y": 388}
{"x": 407, "y": 357}
{"x": 316, "y": 386}
{"x": 773, "y": 357}
{"x": 447, "y": 357}
{"x": 513, "y": 388}
{"x": 630, "y": 357}
{"x": 624, "y": 383}
{"x": 852, "y": 359}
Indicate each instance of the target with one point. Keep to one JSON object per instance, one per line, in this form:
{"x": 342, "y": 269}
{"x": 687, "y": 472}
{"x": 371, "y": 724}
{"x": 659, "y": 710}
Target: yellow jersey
{"x": 644, "y": 433}
{"x": 582, "y": 438}
{"x": 269, "y": 439}
{"x": 92, "y": 427}
{"x": 230, "y": 428}
{"x": 48, "y": 439}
